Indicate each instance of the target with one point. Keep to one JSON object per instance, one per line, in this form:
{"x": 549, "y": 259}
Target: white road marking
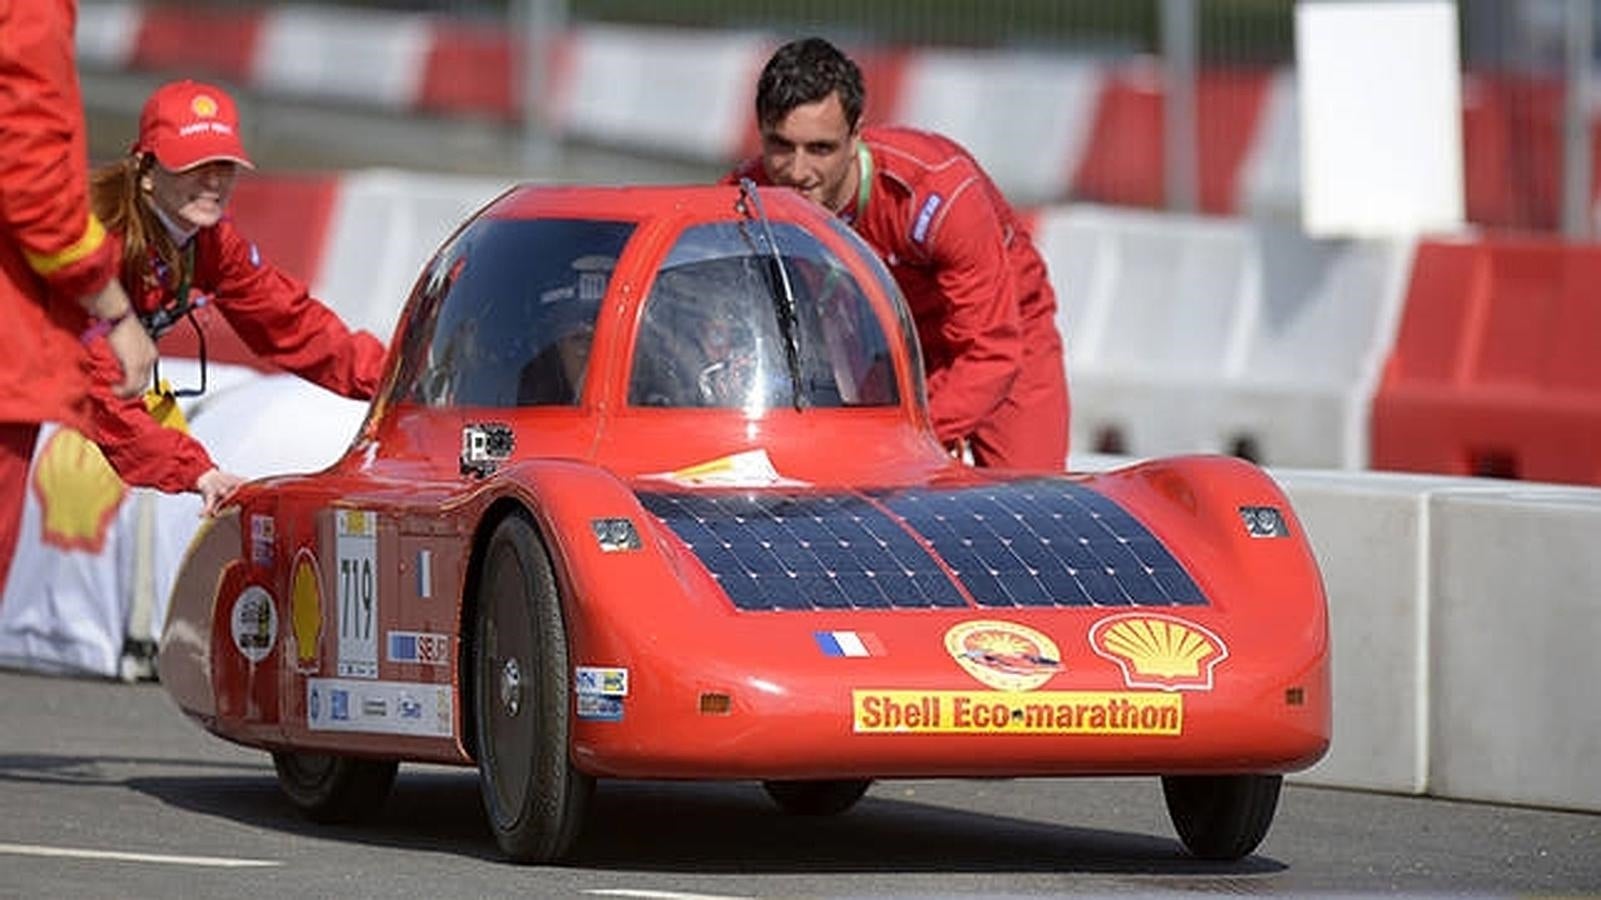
{"x": 121, "y": 856}
{"x": 661, "y": 895}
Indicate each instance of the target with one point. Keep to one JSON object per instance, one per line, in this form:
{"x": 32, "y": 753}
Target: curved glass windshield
{"x": 507, "y": 313}
{"x": 718, "y": 330}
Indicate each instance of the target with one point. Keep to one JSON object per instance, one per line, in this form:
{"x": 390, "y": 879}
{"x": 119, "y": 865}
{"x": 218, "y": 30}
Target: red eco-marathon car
{"x": 650, "y": 491}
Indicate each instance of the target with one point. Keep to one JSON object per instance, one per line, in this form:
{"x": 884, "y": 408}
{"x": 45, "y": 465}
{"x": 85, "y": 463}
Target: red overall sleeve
{"x": 144, "y": 453}
{"x": 276, "y": 316}
{"x": 980, "y": 323}
{"x": 44, "y": 188}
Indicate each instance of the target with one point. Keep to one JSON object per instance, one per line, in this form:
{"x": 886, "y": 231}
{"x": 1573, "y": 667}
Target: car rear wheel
{"x": 817, "y": 798}
{"x": 334, "y": 789}
{"x": 1221, "y": 817}
{"x": 535, "y": 798}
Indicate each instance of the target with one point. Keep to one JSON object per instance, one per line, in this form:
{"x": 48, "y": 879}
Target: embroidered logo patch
{"x": 925, "y": 217}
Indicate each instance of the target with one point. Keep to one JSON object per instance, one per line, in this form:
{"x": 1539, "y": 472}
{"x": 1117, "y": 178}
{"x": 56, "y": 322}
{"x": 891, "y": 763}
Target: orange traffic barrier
{"x": 1495, "y": 369}
{"x": 1123, "y": 163}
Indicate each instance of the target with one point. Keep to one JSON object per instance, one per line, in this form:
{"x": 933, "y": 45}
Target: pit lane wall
{"x": 1464, "y": 616}
{"x": 1464, "y": 611}
{"x": 1083, "y": 127}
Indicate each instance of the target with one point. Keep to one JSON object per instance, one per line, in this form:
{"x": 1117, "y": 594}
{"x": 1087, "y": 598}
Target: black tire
{"x": 1221, "y": 817}
{"x": 334, "y": 789}
{"x": 817, "y": 798}
{"x": 534, "y": 797}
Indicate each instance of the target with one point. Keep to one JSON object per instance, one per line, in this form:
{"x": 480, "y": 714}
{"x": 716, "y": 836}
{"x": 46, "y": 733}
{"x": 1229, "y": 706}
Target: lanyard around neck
{"x": 864, "y": 187}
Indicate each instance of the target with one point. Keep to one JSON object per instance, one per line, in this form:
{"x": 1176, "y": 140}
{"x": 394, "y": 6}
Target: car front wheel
{"x": 534, "y": 796}
{"x": 1221, "y": 817}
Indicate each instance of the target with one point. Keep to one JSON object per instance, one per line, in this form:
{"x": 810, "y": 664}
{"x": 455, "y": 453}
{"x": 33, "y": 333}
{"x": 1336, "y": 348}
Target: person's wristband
{"x": 102, "y": 327}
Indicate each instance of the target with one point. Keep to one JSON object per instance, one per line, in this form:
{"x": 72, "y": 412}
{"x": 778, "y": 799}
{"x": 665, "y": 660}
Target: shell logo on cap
{"x": 1004, "y": 655}
{"x": 203, "y": 105}
{"x": 1159, "y": 651}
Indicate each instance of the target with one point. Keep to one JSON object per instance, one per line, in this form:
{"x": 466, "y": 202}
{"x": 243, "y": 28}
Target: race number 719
{"x": 356, "y": 548}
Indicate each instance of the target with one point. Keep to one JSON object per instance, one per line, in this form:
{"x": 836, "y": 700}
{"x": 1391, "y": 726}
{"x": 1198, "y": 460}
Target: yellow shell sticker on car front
{"x": 1004, "y": 655}
{"x": 1157, "y": 651}
{"x": 896, "y": 711}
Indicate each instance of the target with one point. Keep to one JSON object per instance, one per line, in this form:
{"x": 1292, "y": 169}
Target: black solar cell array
{"x": 1029, "y": 543}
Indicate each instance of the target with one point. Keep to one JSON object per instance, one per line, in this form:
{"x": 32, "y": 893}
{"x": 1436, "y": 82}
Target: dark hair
{"x": 806, "y": 71}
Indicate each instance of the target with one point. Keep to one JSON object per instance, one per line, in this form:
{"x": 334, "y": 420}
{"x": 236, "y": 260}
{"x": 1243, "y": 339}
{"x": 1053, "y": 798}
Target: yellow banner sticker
{"x": 1020, "y": 712}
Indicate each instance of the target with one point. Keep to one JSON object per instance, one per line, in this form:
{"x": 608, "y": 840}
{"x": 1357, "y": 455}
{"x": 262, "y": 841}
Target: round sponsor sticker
{"x": 255, "y": 623}
{"x": 1004, "y": 655}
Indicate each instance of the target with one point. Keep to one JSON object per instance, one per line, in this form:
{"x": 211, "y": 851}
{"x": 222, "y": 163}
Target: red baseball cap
{"x": 186, "y": 123}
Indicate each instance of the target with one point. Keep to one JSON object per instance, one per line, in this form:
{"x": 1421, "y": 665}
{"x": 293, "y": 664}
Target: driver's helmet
{"x": 565, "y": 317}
{"x": 699, "y": 346}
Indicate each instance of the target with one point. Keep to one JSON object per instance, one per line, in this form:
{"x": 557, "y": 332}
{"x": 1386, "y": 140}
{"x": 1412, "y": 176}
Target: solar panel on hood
{"x": 1045, "y": 543}
{"x": 812, "y": 551}
{"x": 1035, "y": 543}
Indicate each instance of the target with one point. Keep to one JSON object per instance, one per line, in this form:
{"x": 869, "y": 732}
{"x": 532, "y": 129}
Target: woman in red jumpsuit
{"x": 167, "y": 199}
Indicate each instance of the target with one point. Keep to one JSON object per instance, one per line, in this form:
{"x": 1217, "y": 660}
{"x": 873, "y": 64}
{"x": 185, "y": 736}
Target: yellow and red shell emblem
{"x": 305, "y": 608}
{"x": 1004, "y": 655}
{"x": 1156, "y": 651}
{"x": 78, "y": 492}
{"x": 203, "y": 105}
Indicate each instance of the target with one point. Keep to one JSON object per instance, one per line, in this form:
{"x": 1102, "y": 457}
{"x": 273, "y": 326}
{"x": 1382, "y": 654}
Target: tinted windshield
{"x": 710, "y": 334}
{"x": 507, "y": 313}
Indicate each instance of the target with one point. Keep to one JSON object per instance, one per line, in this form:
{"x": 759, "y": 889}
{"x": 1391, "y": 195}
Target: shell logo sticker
{"x": 204, "y": 106}
{"x": 78, "y": 492}
{"x": 1004, "y": 655}
{"x": 1157, "y": 651}
{"x": 305, "y": 608}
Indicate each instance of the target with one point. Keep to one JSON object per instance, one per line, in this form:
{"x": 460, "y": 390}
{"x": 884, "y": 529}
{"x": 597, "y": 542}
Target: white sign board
{"x": 1381, "y": 116}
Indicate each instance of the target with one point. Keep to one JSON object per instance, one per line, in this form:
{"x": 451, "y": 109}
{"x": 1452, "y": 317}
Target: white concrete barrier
{"x": 384, "y": 227}
{"x": 1270, "y": 176}
{"x": 1301, "y": 392}
{"x": 1190, "y": 335}
{"x": 679, "y": 93}
{"x": 1516, "y": 630}
{"x": 1146, "y": 300}
{"x": 1465, "y": 616}
{"x": 1370, "y": 535}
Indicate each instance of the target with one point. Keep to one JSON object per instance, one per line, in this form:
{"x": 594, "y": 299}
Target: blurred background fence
{"x": 1194, "y": 75}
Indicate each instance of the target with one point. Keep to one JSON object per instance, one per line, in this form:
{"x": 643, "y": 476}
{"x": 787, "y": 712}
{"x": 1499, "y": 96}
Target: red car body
{"x": 570, "y": 574}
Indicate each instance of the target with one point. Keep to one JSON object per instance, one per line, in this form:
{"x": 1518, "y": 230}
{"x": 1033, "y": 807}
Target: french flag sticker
{"x": 849, "y": 643}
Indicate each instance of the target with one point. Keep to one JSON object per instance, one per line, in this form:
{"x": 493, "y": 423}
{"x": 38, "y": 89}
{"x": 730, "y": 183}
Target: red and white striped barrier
{"x": 1049, "y": 127}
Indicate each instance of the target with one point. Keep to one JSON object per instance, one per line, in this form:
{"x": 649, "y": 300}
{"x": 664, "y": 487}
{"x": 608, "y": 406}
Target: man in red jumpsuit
{"x": 56, "y": 259}
{"x": 976, "y": 285}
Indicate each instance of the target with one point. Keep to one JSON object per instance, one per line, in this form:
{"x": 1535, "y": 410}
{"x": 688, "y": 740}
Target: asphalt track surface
{"x": 109, "y": 791}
